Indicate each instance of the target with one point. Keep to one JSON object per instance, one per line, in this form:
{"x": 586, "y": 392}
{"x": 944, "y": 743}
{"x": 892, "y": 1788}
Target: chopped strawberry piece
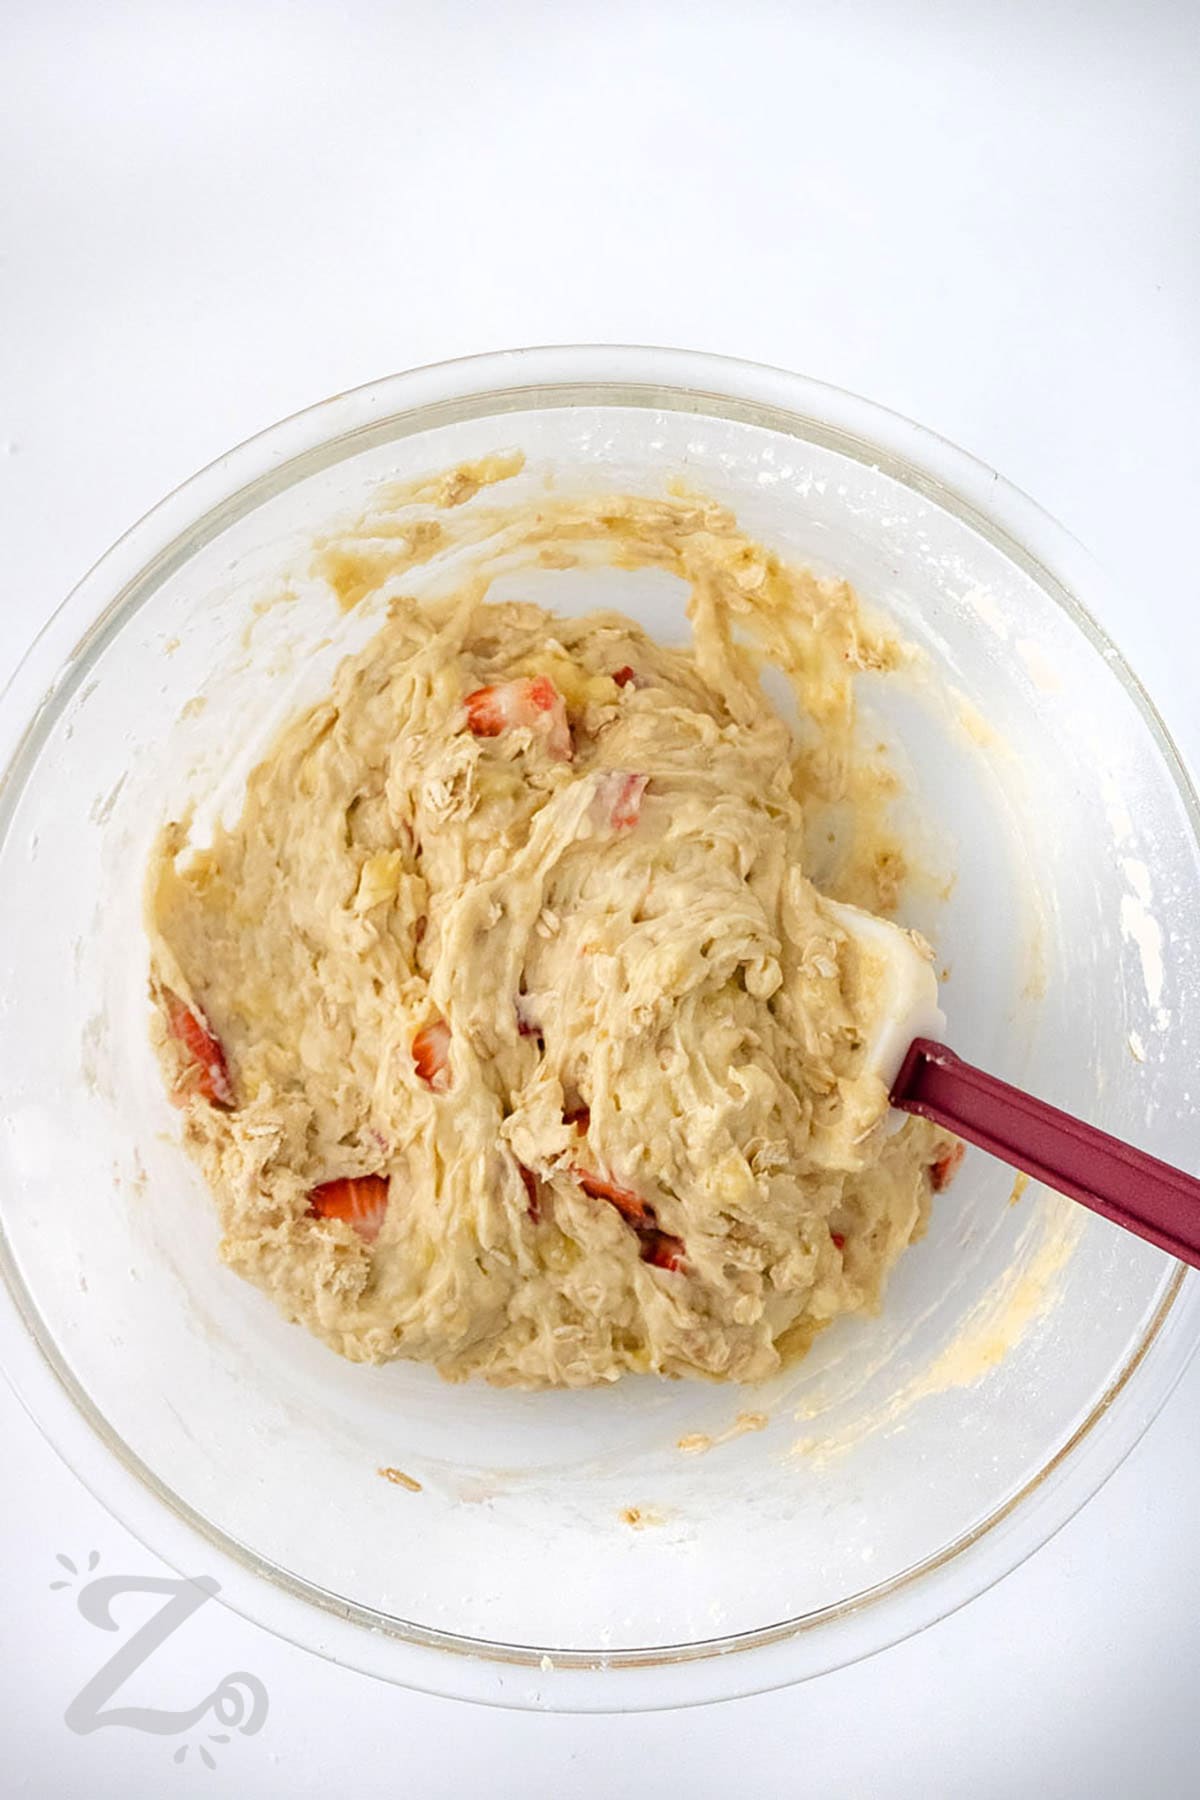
{"x": 663, "y": 1250}
{"x": 207, "y": 1073}
{"x": 630, "y": 1205}
{"x": 839, "y": 1240}
{"x": 358, "y": 1200}
{"x": 531, "y": 1189}
{"x": 656, "y": 1247}
{"x": 534, "y": 704}
{"x": 624, "y": 676}
{"x": 491, "y": 710}
{"x": 431, "y": 1055}
{"x": 580, "y": 1116}
{"x": 618, "y": 800}
{"x": 943, "y": 1171}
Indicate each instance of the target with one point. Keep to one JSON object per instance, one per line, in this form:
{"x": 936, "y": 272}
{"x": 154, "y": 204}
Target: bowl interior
{"x": 1058, "y": 864}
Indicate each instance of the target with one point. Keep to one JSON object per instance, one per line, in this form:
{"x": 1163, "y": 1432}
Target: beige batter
{"x": 510, "y": 1032}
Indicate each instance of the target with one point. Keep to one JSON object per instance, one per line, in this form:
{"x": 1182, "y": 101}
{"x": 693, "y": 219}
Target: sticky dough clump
{"x": 510, "y": 1032}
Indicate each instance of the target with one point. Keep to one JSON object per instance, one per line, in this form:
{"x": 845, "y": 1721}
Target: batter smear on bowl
{"x": 509, "y": 1030}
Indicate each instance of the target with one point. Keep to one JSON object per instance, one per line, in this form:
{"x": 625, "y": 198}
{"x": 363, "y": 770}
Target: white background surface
{"x": 985, "y": 216}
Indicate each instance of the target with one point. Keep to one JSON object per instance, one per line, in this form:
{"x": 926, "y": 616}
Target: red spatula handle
{"x": 1146, "y": 1196}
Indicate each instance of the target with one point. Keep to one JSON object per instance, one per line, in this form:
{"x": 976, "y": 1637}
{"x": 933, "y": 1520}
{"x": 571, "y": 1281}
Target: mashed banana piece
{"x": 512, "y": 1036}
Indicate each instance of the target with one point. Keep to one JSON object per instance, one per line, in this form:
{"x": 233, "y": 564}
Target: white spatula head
{"x": 896, "y": 981}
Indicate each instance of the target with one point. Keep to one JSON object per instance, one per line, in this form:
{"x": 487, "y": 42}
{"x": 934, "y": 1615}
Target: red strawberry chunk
{"x": 431, "y": 1055}
{"x": 534, "y": 704}
{"x": 358, "y": 1200}
{"x": 662, "y": 1250}
{"x": 580, "y": 1116}
{"x": 839, "y": 1240}
{"x": 207, "y": 1073}
{"x": 618, "y": 800}
{"x": 626, "y": 676}
{"x": 943, "y": 1171}
{"x": 491, "y": 710}
{"x": 543, "y": 695}
{"x": 656, "y": 1247}
{"x": 630, "y": 1205}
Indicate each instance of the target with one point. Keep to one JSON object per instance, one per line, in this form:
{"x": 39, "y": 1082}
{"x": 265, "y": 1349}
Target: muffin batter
{"x": 509, "y": 1030}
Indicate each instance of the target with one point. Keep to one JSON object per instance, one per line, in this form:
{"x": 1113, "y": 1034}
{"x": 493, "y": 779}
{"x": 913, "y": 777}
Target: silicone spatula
{"x": 1127, "y": 1186}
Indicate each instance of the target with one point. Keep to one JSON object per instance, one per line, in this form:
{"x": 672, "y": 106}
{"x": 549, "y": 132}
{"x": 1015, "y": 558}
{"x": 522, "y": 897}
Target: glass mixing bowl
{"x": 562, "y": 1550}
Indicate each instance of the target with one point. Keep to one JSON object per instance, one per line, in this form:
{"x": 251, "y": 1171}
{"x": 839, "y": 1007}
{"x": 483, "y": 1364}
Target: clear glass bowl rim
{"x": 127, "y": 575}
